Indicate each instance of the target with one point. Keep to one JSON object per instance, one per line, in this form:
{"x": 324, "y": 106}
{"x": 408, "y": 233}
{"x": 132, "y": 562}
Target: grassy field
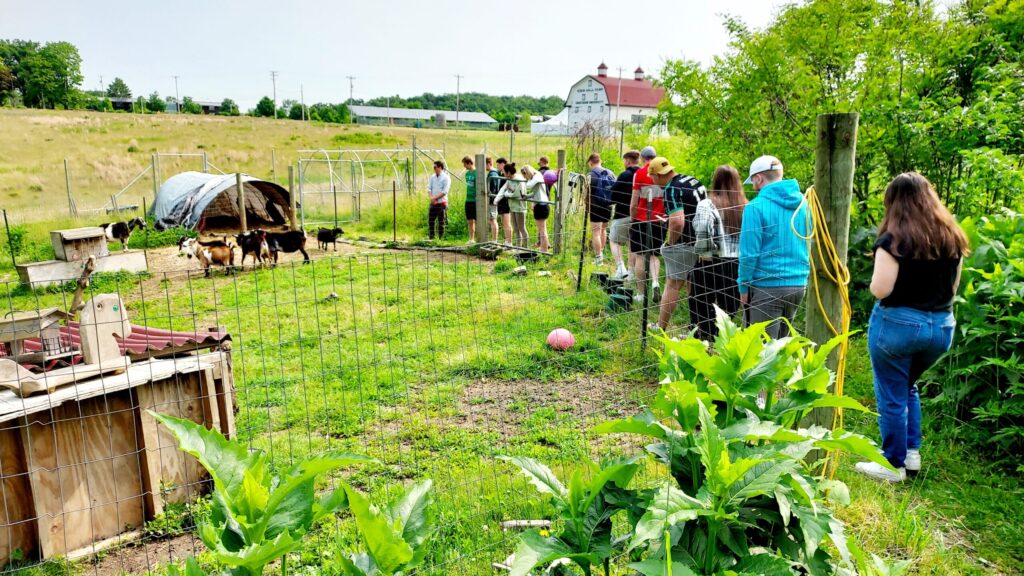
{"x": 434, "y": 363}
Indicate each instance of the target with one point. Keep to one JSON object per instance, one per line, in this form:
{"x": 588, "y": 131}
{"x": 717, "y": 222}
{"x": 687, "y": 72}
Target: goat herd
{"x": 262, "y": 245}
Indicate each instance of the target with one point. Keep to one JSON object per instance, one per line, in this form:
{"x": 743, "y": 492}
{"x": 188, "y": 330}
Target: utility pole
{"x": 458, "y": 91}
{"x": 302, "y": 102}
{"x": 177, "y": 101}
{"x": 351, "y": 88}
{"x": 273, "y": 78}
{"x": 101, "y": 83}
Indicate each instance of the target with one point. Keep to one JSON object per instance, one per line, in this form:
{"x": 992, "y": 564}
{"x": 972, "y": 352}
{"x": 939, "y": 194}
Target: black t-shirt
{"x": 684, "y": 193}
{"x": 622, "y": 191}
{"x": 921, "y": 284}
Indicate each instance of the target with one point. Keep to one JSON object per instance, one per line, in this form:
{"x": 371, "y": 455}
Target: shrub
{"x": 980, "y": 381}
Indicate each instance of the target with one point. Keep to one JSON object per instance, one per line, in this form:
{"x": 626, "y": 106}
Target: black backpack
{"x": 602, "y": 180}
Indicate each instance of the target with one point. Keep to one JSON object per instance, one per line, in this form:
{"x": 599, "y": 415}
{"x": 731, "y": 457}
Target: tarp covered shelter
{"x": 210, "y": 202}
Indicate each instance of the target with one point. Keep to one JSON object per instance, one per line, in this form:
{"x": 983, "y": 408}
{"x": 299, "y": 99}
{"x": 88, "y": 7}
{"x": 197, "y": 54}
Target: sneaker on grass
{"x": 913, "y": 461}
{"x": 876, "y": 471}
{"x": 599, "y": 260}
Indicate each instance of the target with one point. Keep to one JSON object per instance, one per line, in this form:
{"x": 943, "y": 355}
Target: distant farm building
{"x": 130, "y": 105}
{"x": 210, "y": 202}
{"x": 605, "y": 102}
{"x": 419, "y": 118}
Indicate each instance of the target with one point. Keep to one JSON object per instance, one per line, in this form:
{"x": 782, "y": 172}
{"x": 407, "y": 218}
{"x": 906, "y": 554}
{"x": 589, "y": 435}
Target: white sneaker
{"x": 913, "y": 461}
{"x": 627, "y": 277}
{"x": 876, "y": 471}
{"x": 599, "y": 260}
{"x": 638, "y": 298}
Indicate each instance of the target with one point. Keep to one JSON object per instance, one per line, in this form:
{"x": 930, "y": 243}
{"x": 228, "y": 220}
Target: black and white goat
{"x": 220, "y": 255}
{"x": 254, "y": 242}
{"x": 122, "y": 231}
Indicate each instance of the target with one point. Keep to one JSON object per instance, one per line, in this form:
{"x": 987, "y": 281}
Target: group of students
{"x": 511, "y": 191}
{"x": 754, "y": 255}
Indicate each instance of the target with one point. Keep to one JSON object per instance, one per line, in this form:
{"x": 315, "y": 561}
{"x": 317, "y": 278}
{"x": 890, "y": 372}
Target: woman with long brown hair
{"x": 918, "y": 257}
{"x": 717, "y": 225}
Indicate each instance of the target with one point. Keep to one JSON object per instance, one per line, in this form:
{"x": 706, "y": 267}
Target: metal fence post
{"x": 291, "y": 196}
{"x": 302, "y": 199}
{"x": 483, "y": 224}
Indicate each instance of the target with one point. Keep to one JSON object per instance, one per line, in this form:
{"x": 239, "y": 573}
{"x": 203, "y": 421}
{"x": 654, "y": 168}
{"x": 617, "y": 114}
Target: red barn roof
{"x": 639, "y": 93}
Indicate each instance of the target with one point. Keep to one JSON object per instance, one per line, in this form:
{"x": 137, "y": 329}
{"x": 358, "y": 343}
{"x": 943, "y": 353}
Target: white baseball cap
{"x": 763, "y": 164}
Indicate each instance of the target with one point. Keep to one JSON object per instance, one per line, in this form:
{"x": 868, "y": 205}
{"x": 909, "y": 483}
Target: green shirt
{"x": 471, "y": 185}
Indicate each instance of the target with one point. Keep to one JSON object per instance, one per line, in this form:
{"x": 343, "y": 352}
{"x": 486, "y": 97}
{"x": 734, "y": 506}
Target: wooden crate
{"x": 87, "y": 463}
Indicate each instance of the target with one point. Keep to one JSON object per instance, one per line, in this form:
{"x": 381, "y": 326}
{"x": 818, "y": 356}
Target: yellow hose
{"x": 838, "y": 273}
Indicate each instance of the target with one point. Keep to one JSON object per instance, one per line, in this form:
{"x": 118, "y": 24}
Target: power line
{"x": 177, "y": 100}
{"x": 273, "y": 78}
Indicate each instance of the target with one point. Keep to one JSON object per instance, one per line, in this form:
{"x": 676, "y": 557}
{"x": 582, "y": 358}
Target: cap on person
{"x": 763, "y": 164}
{"x": 660, "y": 166}
{"x": 648, "y": 152}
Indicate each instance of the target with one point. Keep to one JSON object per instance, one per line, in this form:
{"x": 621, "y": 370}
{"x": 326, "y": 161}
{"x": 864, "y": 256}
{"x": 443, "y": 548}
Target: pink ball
{"x": 561, "y": 339}
{"x": 550, "y": 177}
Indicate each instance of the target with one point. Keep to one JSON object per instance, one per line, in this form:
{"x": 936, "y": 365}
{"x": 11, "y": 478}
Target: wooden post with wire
{"x": 241, "y": 202}
{"x": 483, "y": 201}
{"x": 561, "y": 205}
{"x": 828, "y": 204}
{"x": 291, "y": 198}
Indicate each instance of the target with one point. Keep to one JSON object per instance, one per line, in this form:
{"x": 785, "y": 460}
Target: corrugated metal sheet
{"x": 413, "y": 114}
{"x": 143, "y": 340}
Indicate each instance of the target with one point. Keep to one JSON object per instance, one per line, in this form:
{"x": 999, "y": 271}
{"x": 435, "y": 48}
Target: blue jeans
{"x": 903, "y": 343}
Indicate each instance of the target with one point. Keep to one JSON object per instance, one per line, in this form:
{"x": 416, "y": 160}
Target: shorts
{"x": 503, "y": 207}
{"x": 641, "y": 241}
{"x": 600, "y": 213}
{"x": 679, "y": 260}
{"x": 541, "y": 211}
{"x": 619, "y": 232}
{"x": 470, "y": 211}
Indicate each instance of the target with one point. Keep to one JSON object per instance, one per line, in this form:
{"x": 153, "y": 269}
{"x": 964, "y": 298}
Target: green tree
{"x": 189, "y": 106}
{"x": 156, "y": 103}
{"x": 52, "y": 76}
{"x": 13, "y": 54}
{"x": 118, "y": 89}
{"x": 229, "y": 108}
{"x": 265, "y": 107}
{"x": 331, "y": 113}
{"x": 7, "y": 84}
{"x": 295, "y": 112}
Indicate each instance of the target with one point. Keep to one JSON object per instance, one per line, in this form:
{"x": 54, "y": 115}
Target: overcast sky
{"x": 227, "y": 48}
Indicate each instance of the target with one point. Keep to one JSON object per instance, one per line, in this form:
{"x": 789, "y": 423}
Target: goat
{"x": 254, "y": 242}
{"x": 209, "y": 255}
{"x": 291, "y": 241}
{"x": 122, "y": 231}
{"x": 325, "y": 236}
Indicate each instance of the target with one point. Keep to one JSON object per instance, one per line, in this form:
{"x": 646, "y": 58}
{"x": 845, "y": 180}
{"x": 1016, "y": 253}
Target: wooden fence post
{"x": 483, "y": 201}
{"x": 560, "y": 205}
{"x": 834, "y": 162}
{"x": 241, "y": 201}
{"x": 72, "y": 209}
{"x": 156, "y": 177}
{"x": 291, "y": 196}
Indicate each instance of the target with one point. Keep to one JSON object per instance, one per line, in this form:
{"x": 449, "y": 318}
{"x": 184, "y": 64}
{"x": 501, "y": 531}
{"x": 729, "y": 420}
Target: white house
{"x": 605, "y": 101}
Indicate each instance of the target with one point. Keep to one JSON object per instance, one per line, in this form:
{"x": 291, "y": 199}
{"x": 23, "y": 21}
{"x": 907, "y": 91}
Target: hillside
{"x": 106, "y": 151}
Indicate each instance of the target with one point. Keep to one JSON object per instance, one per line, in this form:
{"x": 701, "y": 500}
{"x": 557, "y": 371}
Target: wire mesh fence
{"x": 435, "y": 362}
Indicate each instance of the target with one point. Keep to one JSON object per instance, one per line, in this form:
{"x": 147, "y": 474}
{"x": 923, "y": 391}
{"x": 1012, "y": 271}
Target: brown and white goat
{"x": 209, "y": 255}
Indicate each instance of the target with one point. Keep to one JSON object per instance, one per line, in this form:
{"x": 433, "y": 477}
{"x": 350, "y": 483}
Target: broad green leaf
{"x": 535, "y": 550}
{"x": 751, "y": 429}
{"x": 349, "y": 568}
{"x": 413, "y": 512}
{"x": 835, "y": 490}
{"x": 668, "y": 507}
{"x": 765, "y": 565}
{"x": 335, "y": 501}
{"x": 658, "y": 567}
{"x": 710, "y": 445}
{"x": 643, "y": 424}
{"x": 255, "y": 556}
{"x": 762, "y": 479}
{"x": 813, "y": 526}
{"x": 389, "y": 551}
{"x": 785, "y": 506}
{"x": 618, "y": 472}
{"x": 539, "y": 475}
{"x": 225, "y": 461}
{"x": 192, "y": 567}
{"x": 854, "y": 444}
{"x": 679, "y": 400}
{"x": 290, "y": 505}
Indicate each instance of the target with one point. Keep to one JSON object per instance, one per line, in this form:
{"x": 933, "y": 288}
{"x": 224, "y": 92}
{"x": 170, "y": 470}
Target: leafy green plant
{"x": 395, "y": 537}
{"x": 980, "y": 382}
{"x": 585, "y": 509}
{"x": 745, "y": 498}
{"x": 257, "y": 516}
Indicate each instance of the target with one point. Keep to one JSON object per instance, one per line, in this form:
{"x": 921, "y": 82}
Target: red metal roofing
{"x": 143, "y": 339}
{"x": 639, "y": 93}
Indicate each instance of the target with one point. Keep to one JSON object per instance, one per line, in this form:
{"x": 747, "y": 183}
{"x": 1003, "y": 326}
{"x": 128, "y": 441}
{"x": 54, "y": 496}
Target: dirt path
{"x": 144, "y": 556}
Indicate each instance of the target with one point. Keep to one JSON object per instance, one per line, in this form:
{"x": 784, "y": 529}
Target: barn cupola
{"x": 638, "y": 74}
{"x": 602, "y": 70}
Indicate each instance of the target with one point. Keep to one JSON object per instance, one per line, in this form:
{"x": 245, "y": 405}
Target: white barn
{"x": 606, "y": 102}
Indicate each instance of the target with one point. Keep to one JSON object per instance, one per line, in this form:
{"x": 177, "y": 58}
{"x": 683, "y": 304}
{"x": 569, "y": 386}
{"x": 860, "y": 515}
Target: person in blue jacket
{"x": 774, "y": 249}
